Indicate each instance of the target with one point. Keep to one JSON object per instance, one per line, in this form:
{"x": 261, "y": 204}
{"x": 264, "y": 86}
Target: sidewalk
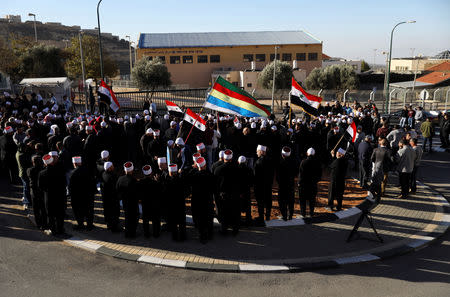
{"x": 404, "y": 225}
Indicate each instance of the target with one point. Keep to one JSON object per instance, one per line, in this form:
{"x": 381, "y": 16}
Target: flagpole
{"x": 290, "y": 109}
{"x": 338, "y": 142}
{"x": 193, "y": 125}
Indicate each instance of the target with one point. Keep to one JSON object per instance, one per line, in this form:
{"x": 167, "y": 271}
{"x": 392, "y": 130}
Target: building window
{"x": 273, "y": 55}
{"x": 174, "y": 59}
{"x": 235, "y": 83}
{"x": 249, "y": 85}
{"x": 188, "y": 60}
{"x": 312, "y": 56}
{"x": 202, "y": 59}
{"x": 150, "y": 58}
{"x": 260, "y": 57}
{"x": 301, "y": 57}
{"x": 162, "y": 58}
{"x": 214, "y": 58}
{"x": 248, "y": 57}
{"x": 287, "y": 57}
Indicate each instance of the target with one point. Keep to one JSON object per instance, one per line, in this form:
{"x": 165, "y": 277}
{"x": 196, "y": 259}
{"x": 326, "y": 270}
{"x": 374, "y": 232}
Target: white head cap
{"x": 200, "y": 146}
{"x": 53, "y": 153}
{"x": 147, "y": 118}
{"x": 147, "y": 170}
{"x": 242, "y": 159}
{"x": 103, "y": 124}
{"x": 166, "y": 116}
{"x": 253, "y": 125}
{"x": 238, "y": 126}
{"x": 228, "y": 154}
{"x": 156, "y": 132}
{"x": 221, "y": 154}
{"x": 149, "y": 131}
{"x": 200, "y": 162}
{"x": 104, "y": 154}
{"x": 310, "y": 152}
{"x": 196, "y": 156}
{"x": 286, "y": 151}
{"x": 128, "y": 166}
{"x": 47, "y": 159}
{"x": 179, "y": 141}
{"x": 173, "y": 168}
{"x": 107, "y": 165}
{"x": 162, "y": 160}
{"x": 76, "y": 160}
{"x": 274, "y": 128}
{"x": 146, "y": 112}
{"x": 261, "y": 148}
{"x": 173, "y": 123}
{"x": 169, "y": 143}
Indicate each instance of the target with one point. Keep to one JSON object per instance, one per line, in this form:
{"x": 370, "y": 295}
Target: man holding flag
{"x": 107, "y": 97}
{"x": 308, "y": 102}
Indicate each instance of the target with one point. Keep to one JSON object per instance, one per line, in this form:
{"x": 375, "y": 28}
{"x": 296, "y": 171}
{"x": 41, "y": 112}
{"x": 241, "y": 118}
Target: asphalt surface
{"x": 33, "y": 264}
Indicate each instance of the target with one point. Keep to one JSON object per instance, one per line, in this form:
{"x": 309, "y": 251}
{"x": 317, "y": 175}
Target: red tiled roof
{"x": 434, "y": 77}
{"x": 444, "y": 66}
{"x": 325, "y": 57}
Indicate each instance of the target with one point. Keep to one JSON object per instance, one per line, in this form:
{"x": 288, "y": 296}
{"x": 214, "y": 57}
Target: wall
{"x": 198, "y": 75}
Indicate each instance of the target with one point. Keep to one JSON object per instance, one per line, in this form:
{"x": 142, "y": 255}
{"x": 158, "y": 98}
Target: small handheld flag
{"x": 194, "y": 119}
{"x": 308, "y": 102}
{"x": 172, "y": 107}
{"x": 105, "y": 91}
{"x": 351, "y": 130}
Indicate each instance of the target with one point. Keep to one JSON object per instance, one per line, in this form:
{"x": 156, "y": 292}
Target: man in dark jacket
{"x": 263, "y": 183}
{"x": 336, "y": 187}
{"x": 90, "y": 150}
{"x": 175, "y": 194}
{"x": 8, "y": 153}
{"x": 286, "y": 171}
{"x": 382, "y": 160}
{"x": 52, "y": 182}
{"x": 202, "y": 183}
{"x": 127, "y": 192}
{"x": 365, "y": 164}
{"x": 150, "y": 196}
{"x": 82, "y": 188}
{"x": 246, "y": 181}
{"x": 37, "y": 197}
{"x": 111, "y": 204}
{"x": 309, "y": 175}
{"x": 227, "y": 199}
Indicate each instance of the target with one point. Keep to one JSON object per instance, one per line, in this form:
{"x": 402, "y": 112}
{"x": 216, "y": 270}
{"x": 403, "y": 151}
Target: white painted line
{"x": 74, "y": 240}
{"x": 258, "y": 267}
{"x": 420, "y": 242}
{"x": 89, "y": 245}
{"x": 357, "y": 259}
{"x": 445, "y": 220}
{"x": 149, "y": 259}
{"x": 173, "y": 263}
{"x": 347, "y": 213}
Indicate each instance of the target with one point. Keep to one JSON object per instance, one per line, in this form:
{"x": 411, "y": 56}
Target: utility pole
{"x": 374, "y": 56}
{"x": 35, "y": 31}
{"x": 100, "y": 40}
{"x": 273, "y": 80}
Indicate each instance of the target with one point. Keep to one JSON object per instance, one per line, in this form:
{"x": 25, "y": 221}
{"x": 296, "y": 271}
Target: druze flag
{"x": 351, "y": 130}
{"x": 194, "y": 119}
{"x": 172, "y": 107}
{"x": 108, "y": 95}
{"x": 308, "y": 102}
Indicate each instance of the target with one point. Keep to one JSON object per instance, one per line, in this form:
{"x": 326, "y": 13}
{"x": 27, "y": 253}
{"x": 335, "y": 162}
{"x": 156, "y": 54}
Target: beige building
{"x": 418, "y": 63}
{"x": 193, "y": 58}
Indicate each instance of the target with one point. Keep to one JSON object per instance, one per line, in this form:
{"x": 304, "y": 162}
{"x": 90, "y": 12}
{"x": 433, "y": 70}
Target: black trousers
{"x": 413, "y": 184}
{"x": 364, "y": 172}
{"x": 229, "y": 211}
{"x": 40, "y": 213}
{"x": 444, "y": 139}
{"x": 205, "y": 225}
{"x": 246, "y": 205}
{"x": 286, "y": 201}
{"x": 111, "y": 211}
{"x": 83, "y": 209}
{"x": 264, "y": 199}
{"x": 430, "y": 143}
{"x": 55, "y": 213}
{"x": 405, "y": 181}
{"x": 307, "y": 194}
{"x": 156, "y": 224}
{"x": 177, "y": 225}
{"x": 335, "y": 192}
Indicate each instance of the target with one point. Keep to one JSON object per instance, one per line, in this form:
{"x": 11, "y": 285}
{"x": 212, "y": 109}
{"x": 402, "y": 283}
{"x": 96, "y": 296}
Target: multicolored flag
{"x": 227, "y": 98}
{"x": 308, "y": 102}
{"x": 194, "y": 119}
{"x": 108, "y": 95}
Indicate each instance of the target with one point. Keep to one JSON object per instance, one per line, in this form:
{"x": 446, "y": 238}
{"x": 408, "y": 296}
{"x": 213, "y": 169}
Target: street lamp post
{"x": 100, "y": 40}
{"x": 35, "y": 31}
{"x": 273, "y": 80}
{"x": 374, "y": 56}
{"x": 131, "y": 61}
{"x": 389, "y": 64}
{"x": 83, "y": 75}
{"x": 415, "y": 72}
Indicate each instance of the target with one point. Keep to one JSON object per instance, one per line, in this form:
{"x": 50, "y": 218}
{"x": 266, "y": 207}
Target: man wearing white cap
{"x": 246, "y": 180}
{"x": 176, "y": 194}
{"x": 156, "y": 147}
{"x": 263, "y": 184}
{"x": 183, "y": 154}
{"x": 127, "y": 192}
{"x": 150, "y": 196}
{"x": 171, "y": 133}
{"x": 82, "y": 189}
{"x": 227, "y": 200}
{"x": 8, "y": 153}
{"x": 218, "y": 162}
{"x": 145, "y": 139}
{"x": 338, "y": 172}
{"x": 310, "y": 172}
{"x": 52, "y": 182}
{"x": 111, "y": 204}
{"x": 202, "y": 183}
{"x": 104, "y": 157}
{"x": 286, "y": 172}
{"x": 90, "y": 149}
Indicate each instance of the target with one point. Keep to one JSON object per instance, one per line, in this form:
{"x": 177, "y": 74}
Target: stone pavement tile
{"x": 107, "y": 251}
{"x": 173, "y": 263}
{"x": 258, "y": 267}
{"x": 127, "y": 256}
{"x": 198, "y": 266}
{"x": 225, "y": 267}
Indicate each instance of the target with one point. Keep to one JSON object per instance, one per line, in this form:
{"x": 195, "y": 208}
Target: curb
{"x": 420, "y": 241}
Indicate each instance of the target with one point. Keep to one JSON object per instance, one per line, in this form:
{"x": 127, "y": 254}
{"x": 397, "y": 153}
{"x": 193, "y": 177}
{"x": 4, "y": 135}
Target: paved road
{"x": 32, "y": 264}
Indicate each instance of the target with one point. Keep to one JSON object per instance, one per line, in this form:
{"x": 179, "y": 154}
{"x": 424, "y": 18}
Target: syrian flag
{"x": 308, "y": 102}
{"x": 351, "y": 130}
{"x": 108, "y": 96}
{"x": 194, "y": 119}
{"x": 173, "y": 108}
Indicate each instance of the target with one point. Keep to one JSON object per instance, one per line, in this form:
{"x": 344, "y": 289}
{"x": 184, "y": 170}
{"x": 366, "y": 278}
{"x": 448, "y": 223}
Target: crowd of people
{"x": 148, "y": 164}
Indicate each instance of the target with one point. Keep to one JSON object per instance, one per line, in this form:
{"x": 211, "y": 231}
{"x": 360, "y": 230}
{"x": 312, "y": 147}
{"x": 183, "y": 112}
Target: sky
{"x": 348, "y": 29}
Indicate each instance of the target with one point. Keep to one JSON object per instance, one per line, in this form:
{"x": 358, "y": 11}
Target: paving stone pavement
{"x": 404, "y": 225}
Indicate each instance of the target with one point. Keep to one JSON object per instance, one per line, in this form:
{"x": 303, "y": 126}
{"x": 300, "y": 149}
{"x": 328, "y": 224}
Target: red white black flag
{"x": 351, "y": 130}
{"x": 108, "y": 95}
{"x": 194, "y": 119}
{"x": 172, "y": 107}
{"x": 308, "y": 102}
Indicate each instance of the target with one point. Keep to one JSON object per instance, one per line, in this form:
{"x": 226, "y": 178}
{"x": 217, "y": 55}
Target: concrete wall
{"x": 231, "y": 58}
